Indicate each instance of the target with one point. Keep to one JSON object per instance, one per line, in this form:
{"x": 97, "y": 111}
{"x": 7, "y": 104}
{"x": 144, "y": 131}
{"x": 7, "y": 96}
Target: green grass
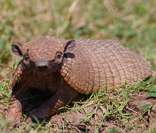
{"x": 132, "y": 22}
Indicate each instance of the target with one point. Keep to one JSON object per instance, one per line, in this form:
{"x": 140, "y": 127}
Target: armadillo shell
{"x": 103, "y": 64}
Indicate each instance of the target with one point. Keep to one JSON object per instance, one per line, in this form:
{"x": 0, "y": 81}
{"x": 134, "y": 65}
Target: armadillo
{"x": 72, "y": 67}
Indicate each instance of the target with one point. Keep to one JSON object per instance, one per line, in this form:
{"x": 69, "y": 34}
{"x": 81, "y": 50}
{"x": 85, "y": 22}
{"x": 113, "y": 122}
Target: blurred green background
{"x": 133, "y": 22}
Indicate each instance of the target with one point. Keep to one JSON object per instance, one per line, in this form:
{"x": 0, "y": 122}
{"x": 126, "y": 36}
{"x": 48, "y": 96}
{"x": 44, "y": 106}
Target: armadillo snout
{"x": 41, "y": 65}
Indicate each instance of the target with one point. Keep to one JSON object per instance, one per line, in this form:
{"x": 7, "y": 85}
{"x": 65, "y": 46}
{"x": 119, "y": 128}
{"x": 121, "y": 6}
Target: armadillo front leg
{"x": 62, "y": 97}
{"x": 14, "y": 112}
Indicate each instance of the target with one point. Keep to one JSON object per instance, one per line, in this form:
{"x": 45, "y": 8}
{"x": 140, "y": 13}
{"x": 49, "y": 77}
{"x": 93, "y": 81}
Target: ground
{"x": 132, "y": 22}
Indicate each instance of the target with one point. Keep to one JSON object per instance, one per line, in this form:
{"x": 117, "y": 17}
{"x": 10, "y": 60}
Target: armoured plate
{"x": 103, "y": 64}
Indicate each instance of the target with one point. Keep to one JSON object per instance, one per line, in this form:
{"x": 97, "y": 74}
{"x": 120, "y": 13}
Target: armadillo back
{"x": 103, "y": 64}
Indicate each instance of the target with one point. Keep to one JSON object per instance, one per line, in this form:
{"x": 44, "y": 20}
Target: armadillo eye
{"x": 26, "y": 63}
{"x": 26, "y": 60}
{"x": 58, "y": 55}
{"x": 26, "y": 57}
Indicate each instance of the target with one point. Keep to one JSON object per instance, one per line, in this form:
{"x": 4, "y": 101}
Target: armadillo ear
{"x": 16, "y": 49}
{"x": 68, "y": 48}
{"x": 69, "y": 45}
{"x": 68, "y": 55}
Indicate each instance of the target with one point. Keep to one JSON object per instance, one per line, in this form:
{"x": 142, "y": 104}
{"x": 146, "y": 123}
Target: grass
{"x": 132, "y": 22}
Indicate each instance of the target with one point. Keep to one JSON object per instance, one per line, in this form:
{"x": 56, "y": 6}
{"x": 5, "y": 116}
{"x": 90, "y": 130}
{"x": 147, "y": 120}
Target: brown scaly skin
{"x": 104, "y": 64}
{"x": 68, "y": 68}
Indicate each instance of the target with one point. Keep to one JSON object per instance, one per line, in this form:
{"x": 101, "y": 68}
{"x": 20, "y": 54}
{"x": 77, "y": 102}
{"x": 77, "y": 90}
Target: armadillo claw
{"x": 39, "y": 113}
{"x": 14, "y": 112}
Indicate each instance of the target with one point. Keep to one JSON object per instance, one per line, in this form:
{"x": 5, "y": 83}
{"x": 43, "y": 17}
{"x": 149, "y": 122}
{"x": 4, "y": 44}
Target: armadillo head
{"x": 42, "y": 53}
